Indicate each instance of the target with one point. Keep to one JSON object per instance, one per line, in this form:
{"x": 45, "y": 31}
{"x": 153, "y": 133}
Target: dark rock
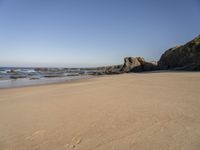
{"x": 12, "y": 71}
{"x": 131, "y": 64}
{"x": 185, "y": 57}
{"x": 115, "y": 69}
{"x": 95, "y": 73}
{"x": 137, "y": 64}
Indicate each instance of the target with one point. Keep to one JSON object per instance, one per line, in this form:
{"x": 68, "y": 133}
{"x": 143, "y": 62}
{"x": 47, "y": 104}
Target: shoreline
{"x": 51, "y": 83}
{"x": 86, "y": 78}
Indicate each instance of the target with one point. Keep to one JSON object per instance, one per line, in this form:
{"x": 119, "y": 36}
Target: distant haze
{"x": 89, "y": 33}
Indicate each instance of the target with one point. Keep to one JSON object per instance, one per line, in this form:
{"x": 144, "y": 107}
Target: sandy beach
{"x": 144, "y": 111}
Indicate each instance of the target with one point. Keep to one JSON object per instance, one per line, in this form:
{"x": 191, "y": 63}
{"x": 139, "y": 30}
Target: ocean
{"x": 23, "y": 76}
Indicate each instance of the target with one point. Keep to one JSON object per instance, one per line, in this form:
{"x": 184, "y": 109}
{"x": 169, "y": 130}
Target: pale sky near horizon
{"x": 89, "y": 33}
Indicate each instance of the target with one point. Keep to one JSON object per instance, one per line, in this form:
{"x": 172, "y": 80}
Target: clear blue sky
{"x": 84, "y": 33}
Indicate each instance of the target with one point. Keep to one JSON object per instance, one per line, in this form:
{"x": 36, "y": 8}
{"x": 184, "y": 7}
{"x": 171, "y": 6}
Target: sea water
{"x": 16, "y": 77}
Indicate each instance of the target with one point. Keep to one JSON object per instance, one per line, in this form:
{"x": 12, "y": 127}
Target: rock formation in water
{"x": 185, "y": 57}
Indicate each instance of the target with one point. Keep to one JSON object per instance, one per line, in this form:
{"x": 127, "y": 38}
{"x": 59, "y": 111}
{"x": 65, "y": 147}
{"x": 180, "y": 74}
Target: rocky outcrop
{"x": 115, "y": 69}
{"x": 137, "y": 64}
{"x": 185, "y": 57}
{"x": 131, "y": 64}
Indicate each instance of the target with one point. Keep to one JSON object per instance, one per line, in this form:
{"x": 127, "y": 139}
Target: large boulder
{"x": 132, "y": 63}
{"x": 137, "y": 64}
{"x": 185, "y": 57}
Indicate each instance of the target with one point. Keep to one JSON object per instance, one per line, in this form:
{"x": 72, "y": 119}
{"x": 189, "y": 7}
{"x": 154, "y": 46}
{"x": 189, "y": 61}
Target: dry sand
{"x": 152, "y": 111}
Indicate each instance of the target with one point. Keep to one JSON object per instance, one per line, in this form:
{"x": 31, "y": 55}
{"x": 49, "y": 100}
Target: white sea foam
{"x": 28, "y": 82}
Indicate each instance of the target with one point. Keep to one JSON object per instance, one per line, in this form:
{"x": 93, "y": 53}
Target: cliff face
{"x": 185, "y": 57}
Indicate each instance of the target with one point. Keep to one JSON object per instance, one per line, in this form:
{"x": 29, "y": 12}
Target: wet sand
{"x": 147, "y": 111}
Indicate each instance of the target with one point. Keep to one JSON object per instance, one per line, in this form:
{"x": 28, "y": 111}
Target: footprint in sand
{"x": 36, "y": 134}
{"x": 74, "y": 142}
